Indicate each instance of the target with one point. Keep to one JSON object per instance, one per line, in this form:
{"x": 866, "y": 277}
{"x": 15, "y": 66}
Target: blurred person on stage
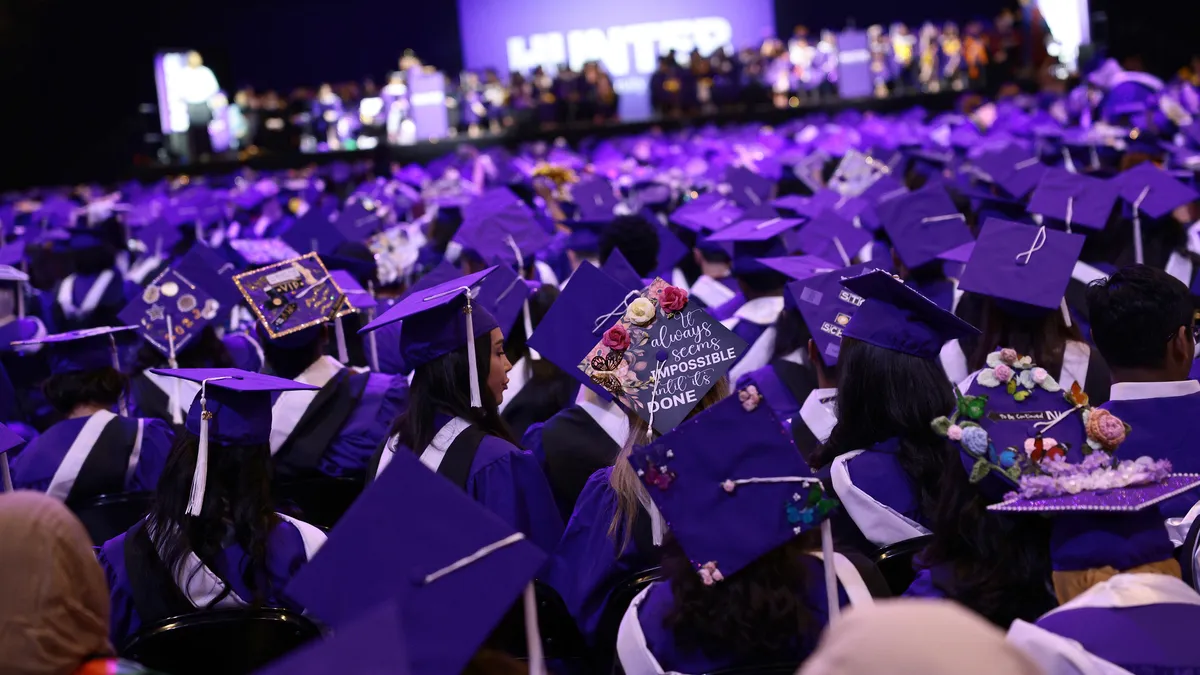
{"x": 197, "y": 87}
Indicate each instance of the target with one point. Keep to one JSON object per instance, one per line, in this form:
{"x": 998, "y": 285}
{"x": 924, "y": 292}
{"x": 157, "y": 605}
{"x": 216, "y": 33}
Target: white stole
{"x": 711, "y": 292}
{"x": 819, "y": 414}
{"x": 68, "y": 470}
{"x": 180, "y": 393}
{"x": 290, "y": 407}
{"x": 1057, "y": 655}
{"x": 878, "y": 522}
{"x": 66, "y": 295}
{"x": 435, "y": 452}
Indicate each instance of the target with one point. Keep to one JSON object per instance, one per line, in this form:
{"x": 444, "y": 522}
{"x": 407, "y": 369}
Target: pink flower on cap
{"x": 616, "y": 338}
{"x": 1009, "y": 356}
{"x": 1105, "y": 428}
{"x": 1003, "y": 372}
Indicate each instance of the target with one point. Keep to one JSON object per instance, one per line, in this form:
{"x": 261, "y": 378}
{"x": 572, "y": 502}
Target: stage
{"x": 385, "y": 155}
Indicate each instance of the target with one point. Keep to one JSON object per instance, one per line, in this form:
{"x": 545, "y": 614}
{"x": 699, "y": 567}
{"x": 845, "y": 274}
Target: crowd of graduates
{"x": 702, "y": 400}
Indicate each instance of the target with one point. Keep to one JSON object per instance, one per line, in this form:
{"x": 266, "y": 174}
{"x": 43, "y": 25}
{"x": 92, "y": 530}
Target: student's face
{"x": 498, "y": 372}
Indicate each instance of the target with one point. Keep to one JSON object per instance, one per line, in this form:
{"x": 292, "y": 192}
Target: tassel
{"x": 831, "y": 582}
{"x": 340, "y": 333}
{"x": 533, "y": 634}
{"x": 1065, "y": 312}
{"x": 21, "y": 292}
{"x": 122, "y": 407}
{"x": 373, "y": 347}
{"x": 1138, "y": 256}
{"x": 5, "y": 476}
{"x": 200, "y": 477}
{"x": 529, "y": 331}
{"x": 176, "y": 404}
{"x": 476, "y": 401}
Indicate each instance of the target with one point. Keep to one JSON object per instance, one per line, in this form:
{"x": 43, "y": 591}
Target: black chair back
{"x": 320, "y": 500}
{"x": 107, "y": 516}
{"x": 895, "y": 562}
{"x": 225, "y": 641}
{"x": 561, "y": 639}
{"x": 605, "y": 641}
{"x": 1188, "y": 555}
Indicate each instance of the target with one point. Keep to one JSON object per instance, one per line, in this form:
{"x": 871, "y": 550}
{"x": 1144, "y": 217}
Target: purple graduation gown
{"x": 588, "y": 565}
{"x": 1165, "y": 428}
{"x": 383, "y": 399}
{"x": 286, "y": 554}
{"x": 727, "y": 309}
{"x": 37, "y": 465}
{"x": 672, "y": 658}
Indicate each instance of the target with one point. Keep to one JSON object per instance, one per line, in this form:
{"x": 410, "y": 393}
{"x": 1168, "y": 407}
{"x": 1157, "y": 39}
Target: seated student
{"x": 94, "y": 292}
{"x": 211, "y": 539}
{"x": 456, "y": 351}
{"x": 537, "y": 388}
{"x": 15, "y": 325}
{"x": 743, "y": 585}
{"x": 994, "y": 563}
{"x": 92, "y": 451}
{"x": 1115, "y": 571}
{"x": 25, "y": 368}
{"x": 1022, "y": 307}
{"x": 636, "y": 238}
{"x": 882, "y": 459}
{"x": 1143, "y": 325}
{"x": 54, "y": 619}
{"x": 166, "y": 398}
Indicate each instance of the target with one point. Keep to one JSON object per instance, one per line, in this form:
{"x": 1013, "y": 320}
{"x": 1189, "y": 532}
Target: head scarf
{"x": 931, "y": 637}
{"x": 54, "y": 614}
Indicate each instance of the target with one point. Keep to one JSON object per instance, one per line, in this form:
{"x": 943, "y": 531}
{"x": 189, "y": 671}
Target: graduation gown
{"x": 588, "y": 564}
{"x": 754, "y": 322}
{"x": 26, "y": 369}
{"x": 1144, "y": 623}
{"x": 879, "y": 501}
{"x": 102, "y": 453}
{"x": 335, "y": 430}
{"x": 574, "y": 444}
{"x": 529, "y": 402}
{"x": 88, "y": 300}
{"x": 498, "y": 475}
{"x": 162, "y": 397}
{"x": 1165, "y": 417}
{"x": 143, "y": 591}
{"x": 245, "y": 351}
{"x": 783, "y": 383}
{"x": 1081, "y": 363}
{"x": 645, "y": 647}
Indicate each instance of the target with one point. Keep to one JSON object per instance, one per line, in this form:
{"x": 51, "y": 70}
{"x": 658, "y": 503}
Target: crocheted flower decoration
{"x": 1105, "y": 431}
{"x": 750, "y": 398}
{"x": 1017, "y": 373}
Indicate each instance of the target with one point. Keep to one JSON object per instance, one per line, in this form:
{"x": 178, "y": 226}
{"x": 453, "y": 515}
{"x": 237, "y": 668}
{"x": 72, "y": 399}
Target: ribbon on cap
{"x": 472, "y": 366}
{"x": 938, "y": 219}
{"x": 767, "y": 223}
{"x": 888, "y": 196}
{"x": 200, "y": 476}
{"x": 1025, "y": 164}
{"x": 533, "y": 635}
{"x": 512, "y": 243}
{"x": 1137, "y": 226}
{"x": 837, "y": 242}
{"x": 1039, "y": 240}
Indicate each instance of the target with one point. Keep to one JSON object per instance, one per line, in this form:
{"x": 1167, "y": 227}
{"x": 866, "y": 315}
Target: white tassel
{"x": 476, "y": 400}
{"x": 1138, "y": 256}
{"x": 533, "y": 634}
{"x": 340, "y": 332}
{"x": 1065, "y": 312}
{"x": 122, "y": 407}
{"x": 831, "y": 583}
{"x": 529, "y": 331}
{"x": 372, "y": 346}
{"x": 5, "y": 477}
{"x": 176, "y": 404}
{"x": 200, "y": 476}
{"x": 1070, "y": 212}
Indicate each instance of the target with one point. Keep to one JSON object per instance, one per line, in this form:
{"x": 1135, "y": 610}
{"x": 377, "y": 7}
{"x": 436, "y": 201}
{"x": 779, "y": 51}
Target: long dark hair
{"x": 302, "y": 350}
{"x": 1000, "y": 564}
{"x": 1043, "y": 336}
{"x": 791, "y": 333}
{"x": 441, "y": 387}
{"x": 237, "y": 505}
{"x": 759, "y": 613}
{"x": 884, "y": 394}
{"x": 102, "y": 386}
{"x": 206, "y": 351}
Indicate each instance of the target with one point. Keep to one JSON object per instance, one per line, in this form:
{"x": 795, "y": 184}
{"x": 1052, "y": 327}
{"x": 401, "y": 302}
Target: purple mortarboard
{"x": 569, "y": 330}
{"x": 372, "y": 644}
{"x": 595, "y": 199}
{"x": 926, "y": 224}
{"x": 799, "y": 267}
{"x": 1153, "y": 191}
{"x": 796, "y": 204}
{"x": 1022, "y": 264}
{"x": 732, "y": 486}
{"x": 748, "y": 188}
{"x": 829, "y": 237}
{"x": 79, "y": 350}
{"x": 445, "y": 271}
{"x": 158, "y": 237}
{"x": 670, "y": 249}
{"x": 511, "y": 235}
{"x": 454, "y": 577}
{"x": 1015, "y": 170}
{"x": 826, "y": 308}
{"x": 11, "y": 254}
{"x": 314, "y": 232}
{"x": 216, "y": 273}
{"x": 618, "y": 267}
{"x": 360, "y": 219}
{"x": 707, "y": 215}
{"x": 503, "y": 293}
{"x": 1073, "y": 198}
{"x": 441, "y": 320}
{"x": 585, "y": 235}
{"x": 233, "y": 407}
{"x": 262, "y": 251}
{"x": 959, "y": 254}
{"x": 895, "y": 316}
{"x": 754, "y": 239}
{"x": 9, "y": 439}
{"x": 292, "y": 295}
{"x": 357, "y": 297}
{"x": 173, "y": 309}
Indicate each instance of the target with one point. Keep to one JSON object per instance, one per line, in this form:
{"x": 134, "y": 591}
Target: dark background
{"x": 72, "y": 73}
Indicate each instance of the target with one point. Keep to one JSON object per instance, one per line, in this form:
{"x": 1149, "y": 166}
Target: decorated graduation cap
{"x": 732, "y": 486}
{"x": 441, "y": 320}
{"x": 756, "y": 238}
{"x": 895, "y": 316}
{"x": 826, "y": 308}
{"x": 172, "y": 310}
{"x": 292, "y": 295}
{"x": 1073, "y": 198}
{"x": 233, "y": 407}
{"x": 1022, "y": 264}
{"x": 829, "y": 237}
{"x": 80, "y": 350}
{"x": 454, "y": 577}
{"x": 926, "y": 224}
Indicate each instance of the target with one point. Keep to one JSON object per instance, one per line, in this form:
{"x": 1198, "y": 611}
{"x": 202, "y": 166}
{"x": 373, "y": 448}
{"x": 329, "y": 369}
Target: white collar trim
{"x": 1136, "y": 391}
{"x": 818, "y": 413}
{"x": 1133, "y": 590}
{"x": 609, "y": 417}
{"x": 761, "y": 311}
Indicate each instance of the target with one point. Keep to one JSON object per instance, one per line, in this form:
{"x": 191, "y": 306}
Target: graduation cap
{"x": 80, "y": 350}
{"x": 510, "y": 234}
{"x": 360, "y": 219}
{"x": 748, "y": 188}
{"x": 894, "y": 316}
{"x": 733, "y": 487}
{"x": 959, "y": 254}
{"x": 619, "y": 268}
{"x": 595, "y": 199}
{"x": 756, "y": 238}
{"x": 253, "y": 252}
{"x": 453, "y": 577}
{"x": 1015, "y": 170}
{"x": 1073, "y": 198}
{"x": 9, "y": 440}
{"x": 292, "y": 295}
{"x": 713, "y": 215}
{"x": 826, "y": 307}
{"x": 926, "y": 224}
{"x": 670, "y": 249}
{"x": 1022, "y": 264}
{"x": 172, "y": 310}
{"x": 585, "y": 235}
{"x": 372, "y": 644}
{"x": 829, "y": 237}
{"x": 233, "y": 407}
{"x": 441, "y": 320}
{"x": 799, "y": 267}
{"x": 1153, "y": 191}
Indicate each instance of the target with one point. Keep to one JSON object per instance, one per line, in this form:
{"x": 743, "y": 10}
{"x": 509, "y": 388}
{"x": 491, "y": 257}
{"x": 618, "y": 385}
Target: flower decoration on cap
{"x": 1105, "y": 431}
{"x": 1097, "y": 471}
{"x": 1016, "y": 373}
{"x": 655, "y": 471}
{"x": 750, "y": 398}
{"x": 671, "y": 299}
{"x": 809, "y": 508}
{"x": 559, "y": 175}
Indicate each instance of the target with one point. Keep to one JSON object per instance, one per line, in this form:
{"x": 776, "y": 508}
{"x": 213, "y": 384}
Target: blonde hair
{"x": 1069, "y": 585}
{"x": 624, "y": 480}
